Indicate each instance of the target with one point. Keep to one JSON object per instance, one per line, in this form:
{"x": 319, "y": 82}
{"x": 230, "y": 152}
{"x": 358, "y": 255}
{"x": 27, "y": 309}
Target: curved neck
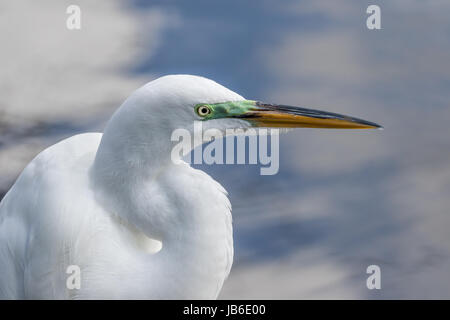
{"x": 132, "y": 147}
{"x": 134, "y": 178}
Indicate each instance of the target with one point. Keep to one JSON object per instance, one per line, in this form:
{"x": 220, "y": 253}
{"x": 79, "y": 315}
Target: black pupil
{"x": 203, "y": 110}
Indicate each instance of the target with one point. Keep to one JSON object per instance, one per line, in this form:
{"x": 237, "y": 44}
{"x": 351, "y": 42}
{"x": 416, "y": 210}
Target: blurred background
{"x": 342, "y": 200}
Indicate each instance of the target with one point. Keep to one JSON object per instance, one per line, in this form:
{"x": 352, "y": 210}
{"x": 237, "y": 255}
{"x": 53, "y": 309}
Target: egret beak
{"x": 281, "y": 116}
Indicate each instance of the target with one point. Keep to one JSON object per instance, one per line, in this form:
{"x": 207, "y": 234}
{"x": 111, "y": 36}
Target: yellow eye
{"x": 203, "y": 110}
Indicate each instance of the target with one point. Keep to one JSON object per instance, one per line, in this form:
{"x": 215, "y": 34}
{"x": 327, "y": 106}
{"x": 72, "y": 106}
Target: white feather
{"x": 102, "y": 202}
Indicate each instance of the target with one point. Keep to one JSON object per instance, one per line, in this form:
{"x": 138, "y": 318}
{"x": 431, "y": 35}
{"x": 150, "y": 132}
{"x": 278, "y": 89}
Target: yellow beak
{"x": 280, "y": 116}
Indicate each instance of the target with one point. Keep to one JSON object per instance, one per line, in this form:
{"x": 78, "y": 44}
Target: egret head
{"x": 178, "y": 101}
{"x": 148, "y": 118}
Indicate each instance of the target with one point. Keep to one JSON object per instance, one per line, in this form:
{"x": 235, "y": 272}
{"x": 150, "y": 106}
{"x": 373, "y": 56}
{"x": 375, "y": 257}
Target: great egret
{"x": 101, "y": 202}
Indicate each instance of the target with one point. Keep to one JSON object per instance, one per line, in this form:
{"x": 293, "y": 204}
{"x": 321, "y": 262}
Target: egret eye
{"x": 203, "y": 111}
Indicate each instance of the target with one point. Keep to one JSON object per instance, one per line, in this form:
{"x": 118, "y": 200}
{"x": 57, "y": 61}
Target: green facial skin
{"x": 227, "y": 109}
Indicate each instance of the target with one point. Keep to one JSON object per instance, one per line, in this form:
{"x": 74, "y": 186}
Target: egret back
{"x": 51, "y": 219}
{"x": 40, "y": 217}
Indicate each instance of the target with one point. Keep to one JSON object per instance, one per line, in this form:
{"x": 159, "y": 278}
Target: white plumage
{"x": 105, "y": 203}
{"x": 101, "y": 202}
